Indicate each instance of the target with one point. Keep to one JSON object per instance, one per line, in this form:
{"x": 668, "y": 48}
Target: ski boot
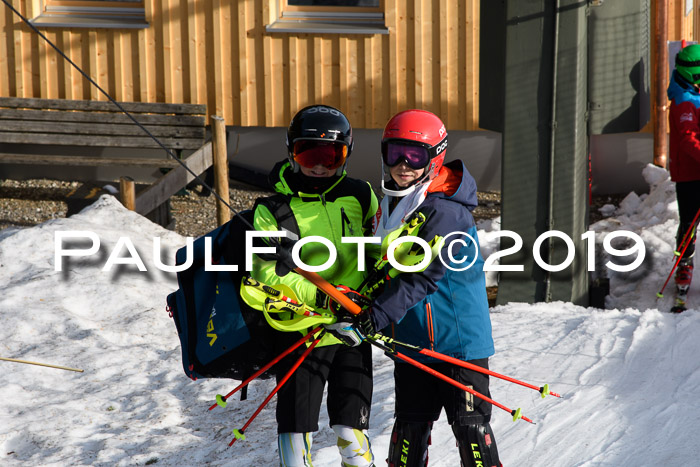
{"x": 684, "y": 276}
{"x": 409, "y": 444}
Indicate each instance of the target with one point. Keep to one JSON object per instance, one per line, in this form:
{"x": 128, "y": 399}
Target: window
{"x": 328, "y": 16}
{"x": 349, "y": 3}
{"x": 92, "y": 14}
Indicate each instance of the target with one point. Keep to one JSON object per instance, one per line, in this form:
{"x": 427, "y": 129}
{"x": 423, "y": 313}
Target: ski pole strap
{"x": 407, "y": 258}
{"x": 293, "y": 317}
{"x": 282, "y": 309}
{"x": 408, "y": 254}
{"x": 543, "y": 390}
{"x": 410, "y": 227}
{"x": 392, "y": 353}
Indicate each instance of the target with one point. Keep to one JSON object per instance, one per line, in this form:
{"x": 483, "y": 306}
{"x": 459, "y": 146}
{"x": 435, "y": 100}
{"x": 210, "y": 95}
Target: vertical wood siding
{"x": 216, "y": 52}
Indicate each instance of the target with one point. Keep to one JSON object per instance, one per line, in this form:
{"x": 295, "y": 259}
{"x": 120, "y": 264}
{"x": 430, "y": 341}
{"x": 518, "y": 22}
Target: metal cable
{"x": 131, "y": 117}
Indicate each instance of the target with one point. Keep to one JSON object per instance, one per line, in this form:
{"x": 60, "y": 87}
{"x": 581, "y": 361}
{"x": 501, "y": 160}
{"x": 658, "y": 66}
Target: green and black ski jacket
{"x": 345, "y": 209}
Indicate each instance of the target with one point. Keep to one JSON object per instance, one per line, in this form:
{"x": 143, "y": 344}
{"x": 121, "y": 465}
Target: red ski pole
{"x": 355, "y": 309}
{"x": 221, "y": 400}
{"x": 515, "y": 413}
{"x": 689, "y": 234}
{"x": 240, "y": 434}
{"x": 544, "y": 390}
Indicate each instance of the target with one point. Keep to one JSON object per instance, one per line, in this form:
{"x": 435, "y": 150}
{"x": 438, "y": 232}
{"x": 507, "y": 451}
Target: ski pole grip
{"x": 331, "y": 291}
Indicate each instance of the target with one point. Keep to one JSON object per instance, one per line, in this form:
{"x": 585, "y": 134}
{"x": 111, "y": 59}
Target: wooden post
{"x": 218, "y": 126}
{"x": 661, "y": 67}
{"x": 127, "y": 193}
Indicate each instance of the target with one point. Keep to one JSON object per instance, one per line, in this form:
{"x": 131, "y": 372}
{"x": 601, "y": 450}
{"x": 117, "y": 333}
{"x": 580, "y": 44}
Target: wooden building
{"x": 237, "y": 57}
{"x": 256, "y": 62}
{"x": 227, "y": 54}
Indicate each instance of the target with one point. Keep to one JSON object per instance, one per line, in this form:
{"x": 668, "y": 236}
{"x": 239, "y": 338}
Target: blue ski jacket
{"x": 439, "y": 308}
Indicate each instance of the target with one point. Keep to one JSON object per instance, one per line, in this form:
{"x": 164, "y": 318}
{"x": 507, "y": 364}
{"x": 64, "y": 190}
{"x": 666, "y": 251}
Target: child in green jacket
{"x": 324, "y": 202}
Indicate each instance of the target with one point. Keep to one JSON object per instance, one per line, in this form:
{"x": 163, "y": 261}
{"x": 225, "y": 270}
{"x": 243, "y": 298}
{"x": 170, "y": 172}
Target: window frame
{"x": 285, "y": 18}
{"x": 331, "y": 9}
{"x": 93, "y": 14}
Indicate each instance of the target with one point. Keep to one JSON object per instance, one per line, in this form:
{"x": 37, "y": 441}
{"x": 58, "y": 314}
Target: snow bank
{"x": 628, "y": 375}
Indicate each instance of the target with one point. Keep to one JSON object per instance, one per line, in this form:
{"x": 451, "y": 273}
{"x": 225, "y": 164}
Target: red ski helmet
{"x": 417, "y": 137}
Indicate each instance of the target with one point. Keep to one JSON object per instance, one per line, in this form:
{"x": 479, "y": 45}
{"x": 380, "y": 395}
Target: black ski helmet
{"x": 319, "y": 123}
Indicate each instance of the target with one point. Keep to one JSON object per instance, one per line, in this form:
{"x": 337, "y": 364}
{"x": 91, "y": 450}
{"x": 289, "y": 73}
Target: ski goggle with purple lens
{"x": 416, "y": 155}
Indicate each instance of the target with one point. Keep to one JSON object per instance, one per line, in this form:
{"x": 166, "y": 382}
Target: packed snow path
{"x": 629, "y": 375}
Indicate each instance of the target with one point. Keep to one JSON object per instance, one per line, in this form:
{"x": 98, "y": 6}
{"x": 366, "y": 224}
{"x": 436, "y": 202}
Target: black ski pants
{"x": 688, "y": 198}
{"x": 348, "y": 372}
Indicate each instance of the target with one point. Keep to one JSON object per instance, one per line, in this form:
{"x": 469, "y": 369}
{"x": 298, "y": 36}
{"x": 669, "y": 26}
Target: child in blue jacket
{"x": 441, "y": 308}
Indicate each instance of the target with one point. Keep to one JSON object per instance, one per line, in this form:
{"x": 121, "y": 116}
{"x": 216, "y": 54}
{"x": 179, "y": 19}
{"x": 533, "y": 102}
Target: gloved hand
{"x": 364, "y": 323}
{"x": 352, "y": 329}
{"x": 324, "y": 301}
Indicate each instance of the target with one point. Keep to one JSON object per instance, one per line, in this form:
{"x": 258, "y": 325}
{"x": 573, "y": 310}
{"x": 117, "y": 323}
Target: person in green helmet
{"x": 684, "y": 159}
{"x": 324, "y": 202}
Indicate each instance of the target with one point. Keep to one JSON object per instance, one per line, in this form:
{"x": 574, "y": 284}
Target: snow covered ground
{"x": 629, "y": 375}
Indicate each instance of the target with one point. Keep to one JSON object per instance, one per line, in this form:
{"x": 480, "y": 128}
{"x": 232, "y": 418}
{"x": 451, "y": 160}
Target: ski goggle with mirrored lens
{"x": 416, "y": 155}
{"x": 310, "y": 153}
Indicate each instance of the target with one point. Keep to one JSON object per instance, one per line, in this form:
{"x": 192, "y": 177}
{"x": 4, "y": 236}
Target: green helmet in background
{"x": 688, "y": 63}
